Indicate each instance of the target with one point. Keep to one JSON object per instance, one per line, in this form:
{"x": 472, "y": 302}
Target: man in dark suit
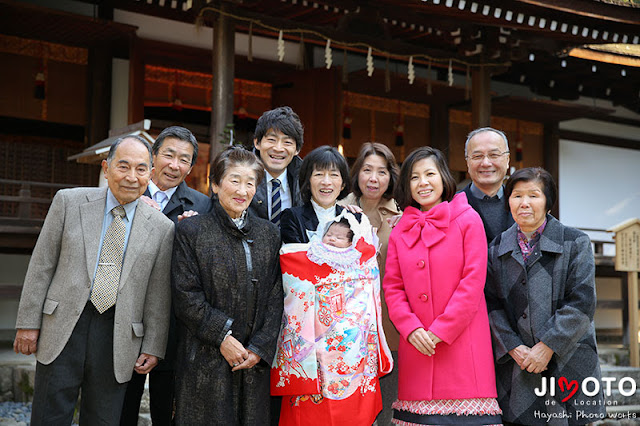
{"x": 175, "y": 151}
{"x": 278, "y": 139}
{"x": 487, "y": 153}
{"x": 96, "y": 297}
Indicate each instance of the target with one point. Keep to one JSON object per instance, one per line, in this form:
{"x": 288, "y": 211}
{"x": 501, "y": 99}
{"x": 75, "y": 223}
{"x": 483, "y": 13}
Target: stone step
{"x": 624, "y": 400}
{"x": 24, "y": 378}
{"x": 613, "y": 356}
{"x": 144, "y": 419}
{"x": 620, "y": 372}
{"x": 621, "y": 415}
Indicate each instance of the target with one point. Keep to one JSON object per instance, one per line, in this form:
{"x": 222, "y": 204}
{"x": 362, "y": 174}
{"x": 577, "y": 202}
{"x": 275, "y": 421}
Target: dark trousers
{"x": 389, "y": 390}
{"x": 85, "y": 363}
{"x": 161, "y": 386}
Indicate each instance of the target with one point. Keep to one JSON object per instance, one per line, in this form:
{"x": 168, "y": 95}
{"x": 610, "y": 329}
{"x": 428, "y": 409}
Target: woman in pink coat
{"x": 434, "y": 288}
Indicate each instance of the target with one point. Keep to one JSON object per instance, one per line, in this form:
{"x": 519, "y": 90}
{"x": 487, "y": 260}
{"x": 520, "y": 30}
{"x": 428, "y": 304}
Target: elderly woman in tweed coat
{"x": 541, "y": 299}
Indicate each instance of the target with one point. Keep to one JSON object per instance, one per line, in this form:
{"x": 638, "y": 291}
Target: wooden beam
{"x": 590, "y": 9}
{"x": 599, "y": 139}
{"x": 634, "y": 349}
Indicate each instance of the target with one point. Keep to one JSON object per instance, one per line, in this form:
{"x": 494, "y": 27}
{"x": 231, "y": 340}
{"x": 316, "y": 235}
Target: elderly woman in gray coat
{"x": 227, "y": 295}
{"x": 541, "y": 297}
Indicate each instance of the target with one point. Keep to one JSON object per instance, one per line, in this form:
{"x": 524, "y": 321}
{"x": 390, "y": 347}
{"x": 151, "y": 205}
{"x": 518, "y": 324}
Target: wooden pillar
{"x": 551, "y": 157}
{"x": 634, "y": 354}
{"x": 480, "y": 97}
{"x": 439, "y": 127}
{"x": 223, "y": 72}
{"x": 136, "y": 81}
{"x": 99, "y": 94}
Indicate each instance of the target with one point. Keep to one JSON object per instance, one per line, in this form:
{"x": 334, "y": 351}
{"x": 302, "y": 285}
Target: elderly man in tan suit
{"x": 96, "y": 297}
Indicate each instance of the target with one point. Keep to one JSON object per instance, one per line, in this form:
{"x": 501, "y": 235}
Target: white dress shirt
{"x": 153, "y": 190}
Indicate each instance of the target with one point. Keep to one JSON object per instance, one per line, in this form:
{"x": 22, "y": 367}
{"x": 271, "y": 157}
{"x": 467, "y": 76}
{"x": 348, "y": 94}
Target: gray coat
{"x": 225, "y": 279}
{"x": 551, "y": 299}
{"x": 61, "y": 271}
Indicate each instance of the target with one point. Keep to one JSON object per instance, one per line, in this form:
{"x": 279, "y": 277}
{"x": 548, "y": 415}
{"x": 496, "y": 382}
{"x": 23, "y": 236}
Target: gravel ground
{"x": 15, "y": 413}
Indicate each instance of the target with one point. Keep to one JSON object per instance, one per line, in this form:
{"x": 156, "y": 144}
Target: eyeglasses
{"x": 492, "y": 156}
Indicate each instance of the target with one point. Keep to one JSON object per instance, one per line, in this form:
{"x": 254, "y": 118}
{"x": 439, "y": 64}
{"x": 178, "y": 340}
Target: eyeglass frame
{"x": 481, "y": 157}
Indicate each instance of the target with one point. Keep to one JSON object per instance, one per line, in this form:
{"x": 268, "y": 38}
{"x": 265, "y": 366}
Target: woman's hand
{"x": 251, "y": 360}
{"x": 233, "y": 351}
{"x": 538, "y": 358}
{"x": 420, "y": 340}
{"x": 519, "y": 354}
{"x": 435, "y": 339}
{"x": 393, "y": 220}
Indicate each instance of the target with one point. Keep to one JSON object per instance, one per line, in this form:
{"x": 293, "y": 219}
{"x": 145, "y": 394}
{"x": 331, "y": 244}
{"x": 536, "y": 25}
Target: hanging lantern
{"x": 242, "y": 111}
{"x": 39, "y": 90}
{"x": 250, "y": 47}
{"x": 518, "y": 145}
{"x": 346, "y": 120}
{"x": 399, "y": 128}
{"x": 177, "y": 102}
{"x": 346, "y": 125}
{"x": 387, "y": 77}
{"x": 429, "y": 90}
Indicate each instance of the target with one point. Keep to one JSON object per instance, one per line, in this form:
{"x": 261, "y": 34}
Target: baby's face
{"x": 337, "y": 236}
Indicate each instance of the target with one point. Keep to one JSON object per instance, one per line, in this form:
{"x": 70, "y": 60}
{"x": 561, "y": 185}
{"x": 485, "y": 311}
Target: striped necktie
{"x": 105, "y": 285}
{"x": 276, "y": 206}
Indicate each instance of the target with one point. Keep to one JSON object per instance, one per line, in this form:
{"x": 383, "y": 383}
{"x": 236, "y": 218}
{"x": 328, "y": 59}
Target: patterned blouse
{"x": 528, "y": 244}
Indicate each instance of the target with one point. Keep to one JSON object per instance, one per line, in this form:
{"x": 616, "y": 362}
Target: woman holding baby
{"x": 331, "y": 347}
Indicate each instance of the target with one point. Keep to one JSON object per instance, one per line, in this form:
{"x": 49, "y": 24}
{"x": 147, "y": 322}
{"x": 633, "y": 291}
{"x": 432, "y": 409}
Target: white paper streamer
{"x": 412, "y": 71}
{"x": 369, "y": 63}
{"x": 328, "y": 58}
{"x": 280, "y": 47}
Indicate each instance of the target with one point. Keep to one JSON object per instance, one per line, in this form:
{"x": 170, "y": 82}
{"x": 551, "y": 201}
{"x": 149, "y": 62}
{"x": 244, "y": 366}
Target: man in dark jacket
{"x": 487, "y": 153}
{"x": 174, "y": 153}
{"x": 278, "y": 139}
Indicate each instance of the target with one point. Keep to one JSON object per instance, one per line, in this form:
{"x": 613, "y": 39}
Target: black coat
{"x": 296, "y": 221}
{"x": 184, "y": 199}
{"x": 260, "y": 203}
{"x": 225, "y": 279}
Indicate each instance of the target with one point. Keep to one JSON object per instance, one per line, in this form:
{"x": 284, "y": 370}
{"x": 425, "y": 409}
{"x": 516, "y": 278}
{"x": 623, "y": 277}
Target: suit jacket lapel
{"x": 173, "y": 203}
{"x": 91, "y": 219}
{"x": 310, "y": 220}
{"x": 141, "y": 228}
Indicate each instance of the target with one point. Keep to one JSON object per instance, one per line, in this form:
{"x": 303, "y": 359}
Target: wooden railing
{"x": 25, "y": 200}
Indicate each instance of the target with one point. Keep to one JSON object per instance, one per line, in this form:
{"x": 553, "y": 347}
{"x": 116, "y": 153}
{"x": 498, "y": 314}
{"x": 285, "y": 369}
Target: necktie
{"x": 105, "y": 285}
{"x": 276, "y": 206}
{"x": 160, "y": 197}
